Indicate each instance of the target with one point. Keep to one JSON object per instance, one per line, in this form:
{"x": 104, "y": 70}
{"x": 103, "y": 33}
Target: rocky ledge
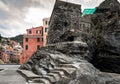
{"x": 71, "y": 52}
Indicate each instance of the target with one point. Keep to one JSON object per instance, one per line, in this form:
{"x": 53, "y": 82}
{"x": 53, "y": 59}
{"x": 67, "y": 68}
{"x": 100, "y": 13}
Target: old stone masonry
{"x": 77, "y": 54}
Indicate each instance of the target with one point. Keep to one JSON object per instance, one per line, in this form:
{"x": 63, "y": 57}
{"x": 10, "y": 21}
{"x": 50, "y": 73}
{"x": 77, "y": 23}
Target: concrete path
{"x": 10, "y": 76}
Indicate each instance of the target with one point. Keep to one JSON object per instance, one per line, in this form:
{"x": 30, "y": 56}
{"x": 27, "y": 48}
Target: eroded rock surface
{"x": 64, "y": 23}
{"x": 65, "y": 59}
{"x": 106, "y": 36}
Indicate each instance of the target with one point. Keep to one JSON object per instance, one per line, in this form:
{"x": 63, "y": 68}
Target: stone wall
{"x": 65, "y": 19}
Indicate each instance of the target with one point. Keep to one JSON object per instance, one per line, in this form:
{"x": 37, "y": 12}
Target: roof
{"x": 46, "y": 18}
{"x": 88, "y": 11}
{"x": 35, "y": 28}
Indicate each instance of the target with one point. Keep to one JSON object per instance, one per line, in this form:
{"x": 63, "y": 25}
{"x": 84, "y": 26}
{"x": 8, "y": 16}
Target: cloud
{"x": 18, "y": 15}
{"x": 3, "y": 6}
{"x": 37, "y": 14}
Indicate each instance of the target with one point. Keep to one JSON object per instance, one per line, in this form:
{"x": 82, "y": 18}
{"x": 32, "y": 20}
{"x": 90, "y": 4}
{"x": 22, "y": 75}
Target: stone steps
{"x": 63, "y": 72}
{"x": 67, "y": 71}
{"x": 28, "y": 74}
{"x": 44, "y": 80}
{"x": 55, "y": 75}
{"x": 50, "y": 78}
{"x": 67, "y": 65}
{"x": 35, "y": 83}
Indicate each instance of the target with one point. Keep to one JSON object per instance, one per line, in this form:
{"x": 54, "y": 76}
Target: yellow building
{"x": 45, "y": 29}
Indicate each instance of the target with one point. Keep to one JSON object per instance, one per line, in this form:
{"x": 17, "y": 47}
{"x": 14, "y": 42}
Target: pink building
{"x": 32, "y": 41}
{"x": 4, "y": 57}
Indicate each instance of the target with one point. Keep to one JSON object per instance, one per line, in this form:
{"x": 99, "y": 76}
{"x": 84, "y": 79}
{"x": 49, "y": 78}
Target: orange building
{"x": 34, "y": 39}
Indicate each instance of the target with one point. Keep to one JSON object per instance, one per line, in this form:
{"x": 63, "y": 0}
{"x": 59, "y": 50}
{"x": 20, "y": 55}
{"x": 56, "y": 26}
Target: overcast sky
{"x": 18, "y": 15}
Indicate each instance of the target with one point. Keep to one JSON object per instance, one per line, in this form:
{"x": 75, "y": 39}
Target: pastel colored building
{"x": 32, "y": 41}
{"x": 45, "y": 29}
{"x": 4, "y": 56}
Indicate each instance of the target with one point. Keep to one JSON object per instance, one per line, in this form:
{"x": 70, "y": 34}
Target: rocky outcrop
{"x": 64, "y": 22}
{"x": 65, "y": 59}
{"x": 52, "y": 67}
{"x": 109, "y": 5}
{"x": 106, "y": 38}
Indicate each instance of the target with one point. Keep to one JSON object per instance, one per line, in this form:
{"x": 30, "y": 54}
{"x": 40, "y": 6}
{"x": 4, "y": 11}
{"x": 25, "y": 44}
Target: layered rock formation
{"x": 106, "y": 36}
{"x": 65, "y": 58}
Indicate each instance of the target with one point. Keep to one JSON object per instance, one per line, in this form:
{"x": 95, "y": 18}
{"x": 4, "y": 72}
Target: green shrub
{"x": 15, "y": 61}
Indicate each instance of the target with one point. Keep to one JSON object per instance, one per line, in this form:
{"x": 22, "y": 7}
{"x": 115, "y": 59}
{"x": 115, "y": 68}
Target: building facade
{"x": 32, "y": 41}
{"x": 45, "y": 29}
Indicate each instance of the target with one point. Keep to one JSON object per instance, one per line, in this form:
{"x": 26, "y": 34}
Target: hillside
{"x": 18, "y": 38}
{"x": 1, "y": 37}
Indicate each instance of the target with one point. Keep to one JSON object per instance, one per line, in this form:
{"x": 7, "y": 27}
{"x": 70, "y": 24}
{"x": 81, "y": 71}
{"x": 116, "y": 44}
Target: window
{"x": 26, "y": 39}
{"x": 38, "y": 46}
{"x": 47, "y": 22}
{"x": 38, "y": 39}
{"x": 38, "y": 32}
{"x": 42, "y": 39}
{"x": 26, "y": 47}
{"x": 30, "y": 31}
{"x": 46, "y": 29}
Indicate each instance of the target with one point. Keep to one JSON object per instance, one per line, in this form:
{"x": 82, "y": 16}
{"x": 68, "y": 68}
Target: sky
{"x": 18, "y": 15}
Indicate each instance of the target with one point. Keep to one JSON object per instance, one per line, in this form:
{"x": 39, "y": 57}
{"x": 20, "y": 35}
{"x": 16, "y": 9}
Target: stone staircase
{"x": 65, "y": 67}
{"x": 62, "y": 72}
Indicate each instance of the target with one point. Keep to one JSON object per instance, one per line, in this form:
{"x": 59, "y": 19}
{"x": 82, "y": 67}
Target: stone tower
{"x": 65, "y": 18}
